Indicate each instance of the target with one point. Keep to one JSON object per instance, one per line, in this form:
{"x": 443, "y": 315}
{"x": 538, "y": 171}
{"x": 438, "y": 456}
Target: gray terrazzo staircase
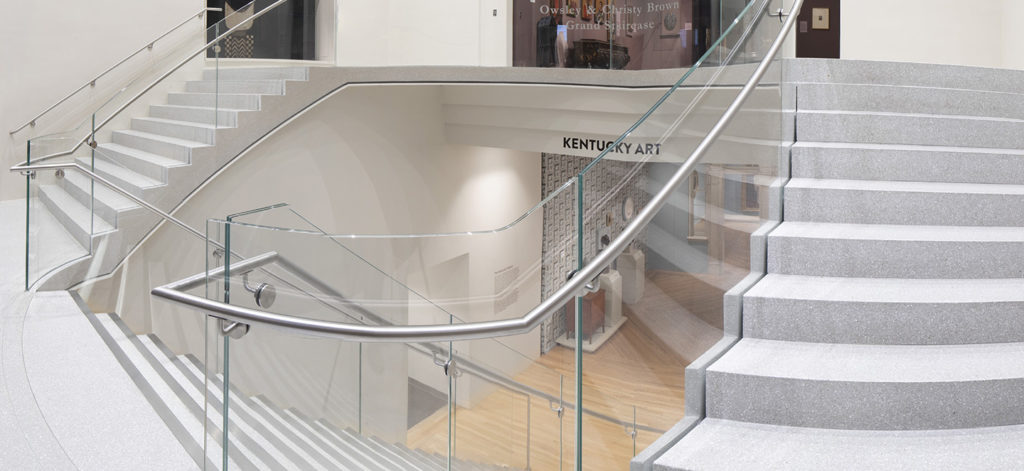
{"x": 162, "y": 158}
{"x": 888, "y": 332}
{"x": 263, "y": 435}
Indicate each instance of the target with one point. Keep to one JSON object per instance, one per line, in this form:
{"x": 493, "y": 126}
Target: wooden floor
{"x": 636, "y": 367}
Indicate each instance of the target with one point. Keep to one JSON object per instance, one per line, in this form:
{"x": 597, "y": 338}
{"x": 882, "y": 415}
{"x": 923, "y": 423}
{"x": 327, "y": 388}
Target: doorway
{"x": 817, "y": 29}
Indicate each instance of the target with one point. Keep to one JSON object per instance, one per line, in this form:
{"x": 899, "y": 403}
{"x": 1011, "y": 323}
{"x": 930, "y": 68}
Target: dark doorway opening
{"x": 817, "y": 29}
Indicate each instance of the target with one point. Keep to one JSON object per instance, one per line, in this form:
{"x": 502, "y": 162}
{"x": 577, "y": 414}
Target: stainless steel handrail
{"x": 425, "y": 348}
{"x": 174, "y": 292}
{"x": 148, "y": 46}
{"x": 156, "y": 82}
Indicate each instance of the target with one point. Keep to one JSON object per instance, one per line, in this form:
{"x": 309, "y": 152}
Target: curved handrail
{"x": 148, "y": 46}
{"x": 156, "y": 82}
{"x": 174, "y": 292}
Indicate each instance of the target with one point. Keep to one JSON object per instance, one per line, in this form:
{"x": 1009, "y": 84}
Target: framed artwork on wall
{"x": 588, "y": 9}
{"x": 669, "y": 24}
{"x": 572, "y": 6}
{"x": 600, "y": 15}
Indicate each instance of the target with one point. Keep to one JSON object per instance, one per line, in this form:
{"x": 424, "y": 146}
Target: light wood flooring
{"x": 641, "y": 365}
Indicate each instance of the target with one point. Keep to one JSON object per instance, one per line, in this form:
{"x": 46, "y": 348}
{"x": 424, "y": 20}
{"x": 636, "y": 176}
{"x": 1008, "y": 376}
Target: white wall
{"x": 414, "y": 32}
{"x": 1013, "y": 34}
{"x": 984, "y": 33}
{"x": 50, "y": 49}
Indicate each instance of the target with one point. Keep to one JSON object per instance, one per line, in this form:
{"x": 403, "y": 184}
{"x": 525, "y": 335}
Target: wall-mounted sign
{"x": 600, "y": 145}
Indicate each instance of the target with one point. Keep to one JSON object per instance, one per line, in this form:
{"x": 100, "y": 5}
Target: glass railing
{"x": 477, "y": 402}
{"x": 165, "y": 114}
{"x": 665, "y": 302}
{"x": 617, "y": 353}
{"x": 624, "y": 34}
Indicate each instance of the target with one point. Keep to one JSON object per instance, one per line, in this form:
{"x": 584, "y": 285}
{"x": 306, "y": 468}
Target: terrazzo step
{"x": 904, "y": 74}
{"x": 344, "y": 456}
{"x": 728, "y": 445}
{"x": 262, "y": 87}
{"x": 189, "y": 131}
{"x": 868, "y": 387}
{"x": 76, "y": 218}
{"x": 889, "y": 311}
{"x": 173, "y": 148}
{"x": 236, "y": 101}
{"x": 268, "y": 419}
{"x": 222, "y": 116}
{"x": 418, "y": 460}
{"x": 179, "y": 413}
{"x": 429, "y": 460}
{"x": 248, "y": 425}
{"x": 896, "y": 251}
{"x": 845, "y": 161}
{"x": 385, "y": 452}
{"x": 107, "y": 203}
{"x": 887, "y": 202}
{"x": 256, "y": 73}
{"x": 904, "y": 99}
{"x": 156, "y": 167}
{"x": 347, "y": 438}
{"x": 244, "y": 434}
{"x": 133, "y": 182}
{"x": 911, "y": 129}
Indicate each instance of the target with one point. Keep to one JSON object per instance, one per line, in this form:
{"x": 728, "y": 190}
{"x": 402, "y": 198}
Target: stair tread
{"x": 888, "y": 290}
{"x": 873, "y": 363}
{"x": 160, "y": 137}
{"x": 907, "y": 147}
{"x": 102, "y": 193}
{"x": 192, "y": 124}
{"x": 155, "y": 159}
{"x": 717, "y": 444}
{"x": 893, "y": 232}
{"x": 122, "y": 173}
{"x": 74, "y": 209}
{"x": 177, "y": 406}
{"x": 906, "y": 186}
{"x": 190, "y": 107}
{"x": 910, "y": 115}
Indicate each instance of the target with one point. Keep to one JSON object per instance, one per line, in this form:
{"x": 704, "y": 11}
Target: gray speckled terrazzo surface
{"x": 65, "y": 403}
{"x": 887, "y": 333}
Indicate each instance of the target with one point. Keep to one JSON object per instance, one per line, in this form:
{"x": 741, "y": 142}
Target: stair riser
{"x": 140, "y": 166}
{"x": 881, "y": 323}
{"x": 899, "y": 207}
{"x": 84, "y": 196}
{"x": 209, "y": 100}
{"x": 124, "y": 184}
{"x": 883, "y": 98}
{"x": 864, "y": 405}
{"x": 180, "y": 131}
{"x": 80, "y": 234}
{"x": 906, "y": 129}
{"x": 269, "y": 73}
{"x": 852, "y": 163}
{"x": 222, "y": 118}
{"x": 258, "y": 87}
{"x": 166, "y": 149}
{"x": 894, "y": 258}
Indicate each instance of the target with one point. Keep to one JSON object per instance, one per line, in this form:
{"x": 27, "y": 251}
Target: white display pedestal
{"x": 631, "y": 266}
